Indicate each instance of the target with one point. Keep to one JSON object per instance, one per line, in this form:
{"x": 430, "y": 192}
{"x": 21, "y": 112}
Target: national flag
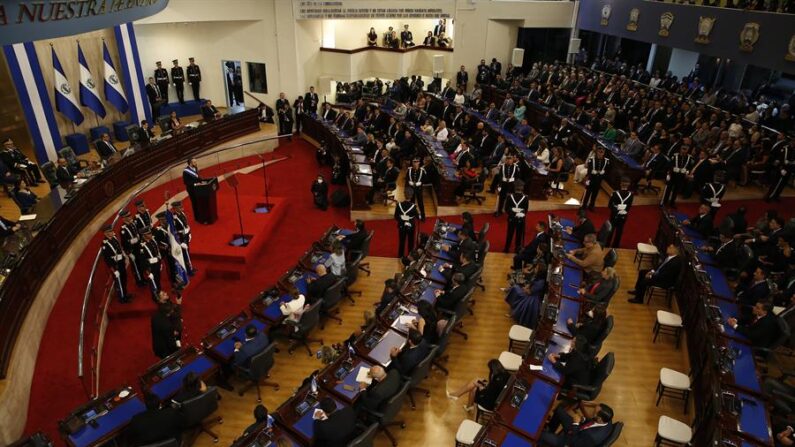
{"x": 89, "y": 97}
{"x": 65, "y": 101}
{"x": 181, "y": 273}
{"x": 114, "y": 93}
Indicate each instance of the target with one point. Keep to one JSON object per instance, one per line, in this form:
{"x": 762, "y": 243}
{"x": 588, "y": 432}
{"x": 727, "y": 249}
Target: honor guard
{"x": 597, "y": 170}
{"x": 113, "y": 254}
{"x": 161, "y": 79}
{"x": 783, "y": 168}
{"x": 142, "y": 217}
{"x": 150, "y": 261}
{"x": 178, "y": 77}
{"x": 160, "y": 232}
{"x": 183, "y": 233}
{"x": 681, "y": 164}
{"x": 507, "y": 174}
{"x": 620, "y": 202}
{"x": 194, "y": 77}
{"x": 516, "y": 206}
{"x": 405, "y": 216}
{"x": 414, "y": 180}
{"x": 712, "y": 192}
{"x": 131, "y": 242}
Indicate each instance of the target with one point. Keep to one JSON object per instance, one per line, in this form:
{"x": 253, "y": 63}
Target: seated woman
{"x": 336, "y": 261}
{"x": 483, "y": 392}
{"x": 372, "y": 38}
{"x": 599, "y": 289}
{"x": 590, "y": 326}
{"x": 25, "y": 198}
{"x": 176, "y": 125}
{"x": 542, "y": 153}
{"x": 192, "y": 386}
{"x": 459, "y": 97}
{"x": 427, "y": 128}
{"x": 525, "y": 300}
{"x": 581, "y": 171}
{"x": 468, "y": 176}
{"x": 427, "y": 322}
{"x": 520, "y": 110}
{"x": 556, "y": 173}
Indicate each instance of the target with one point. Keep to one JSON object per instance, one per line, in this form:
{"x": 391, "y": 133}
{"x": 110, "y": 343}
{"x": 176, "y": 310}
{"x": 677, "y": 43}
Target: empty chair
{"x": 69, "y": 155}
{"x": 444, "y": 339}
{"x": 309, "y": 320}
{"x": 331, "y": 300}
{"x": 48, "y": 170}
{"x": 611, "y": 258}
{"x": 646, "y": 252}
{"x": 351, "y": 275}
{"x": 673, "y": 384}
{"x": 467, "y": 433}
{"x": 519, "y": 337}
{"x": 259, "y": 368}
{"x": 197, "y": 412}
{"x": 419, "y": 374}
{"x": 386, "y": 417}
{"x": 365, "y": 439}
{"x": 672, "y": 432}
{"x": 602, "y": 371}
{"x": 669, "y": 324}
{"x": 604, "y": 233}
{"x": 510, "y": 361}
{"x": 474, "y": 191}
{"x": 365, "y": 266}
{"x": 597, "y": 343}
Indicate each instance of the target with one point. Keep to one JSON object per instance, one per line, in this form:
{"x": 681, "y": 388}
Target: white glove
{"x": 116, "y": 274}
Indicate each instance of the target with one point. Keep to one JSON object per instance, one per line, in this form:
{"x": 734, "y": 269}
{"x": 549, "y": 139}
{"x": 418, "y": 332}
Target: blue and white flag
{"x": 114, "y": 93}
{"x": 181, "y": 272}
{"x": 89, "y": 96}
{"x": 65, "y": 101}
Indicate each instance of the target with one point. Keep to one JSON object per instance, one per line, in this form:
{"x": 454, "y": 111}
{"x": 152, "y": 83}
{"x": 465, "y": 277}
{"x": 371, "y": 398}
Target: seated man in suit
{"x": 528, "y": 253}
{"x": 384, "y": 385}
{"x": 447, "y": 300}
{"x": 405, "y": 360}
{"x": 64, "y": 173}
{"x": 574, "y": 366}
{"x": 154, "y": 424}
{"x": 762, "y": 330}
{"x": 584, "y": 226}
{"x": 333, "y": 427}
{"x": 725, "y": 251}
{"x": 590, "y": 428}
{"x": 254, "y": 343}
{"x": 465, "y": 266}
{"x": 701, "y": 222}
{"x": 754, "y": 289}
{"x": 105, "y": 147}
{"x": 209, "y": 112}
{"x": 316, "y": 287}
{"x": 665, "y": 276}
{"x": 355, "y": 241}
{"x": 465, "y": 245}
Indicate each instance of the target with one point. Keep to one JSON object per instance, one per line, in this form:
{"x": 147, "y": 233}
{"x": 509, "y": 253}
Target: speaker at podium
{"x": 205, "y": 201}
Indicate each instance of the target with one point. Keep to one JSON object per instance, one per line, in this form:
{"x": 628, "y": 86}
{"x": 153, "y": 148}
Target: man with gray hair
{"x": 590, "y": 257}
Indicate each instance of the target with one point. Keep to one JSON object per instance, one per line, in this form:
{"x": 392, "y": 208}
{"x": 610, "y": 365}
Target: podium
{"x": 205, "y": 202}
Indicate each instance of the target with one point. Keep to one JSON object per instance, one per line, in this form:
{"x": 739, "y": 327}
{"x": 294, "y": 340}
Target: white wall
{"x": 682, "y": 62}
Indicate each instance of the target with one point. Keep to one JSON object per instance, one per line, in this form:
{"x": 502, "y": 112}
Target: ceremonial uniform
{"x": 506, "y": 176}
{"x": 131, "y": 243}
{"x": 677, "y": 178}
{"x": 113, "y": 254}
{"x": 143, "y": 220}
{"x": 184, "y": 237}
{"x": 178, "y": 77}
{"x": 784, "y": 168}
{"x": 516, "y": 206}
{"x": 150, "y": 263}
{"x": 711, "y": 194}
{"x": 21, "y": 165}
{"x": 194, "y": 79}
{"x": 414, "y": 180}
{"x": 597, "y": 170}
{"x": 161, "y": 236}
{"x": 161, "y": 79}
{"x": 405, "y": 215}
{"x": 619, "y": 204}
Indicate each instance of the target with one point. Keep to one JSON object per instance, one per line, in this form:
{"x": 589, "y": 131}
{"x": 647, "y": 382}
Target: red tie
{"x": 586, "y": 425}
{"x": 595, "y": 286}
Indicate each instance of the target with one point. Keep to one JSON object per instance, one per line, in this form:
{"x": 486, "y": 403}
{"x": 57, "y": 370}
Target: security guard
{"x": 516, "y": 206}
{"x": 183, "y": 233}
{"x": 131, "y": 243}
{"x": 178, "y": 77}
{"x": 681, "y": 164}
{"x": 194, "y": 78}
{"x": 163, "y": 240}
{"x": 414, "y": 180}
{"x": 712, "y": 192}
{"x": 597, "y": 170}
{"x": 620, "y": 202}
{"x": 783, "y": 168}
{"x": 143, "y": 219}
{"x": 150, "y": 261}
{"x": 507, "y": 173}
{"x": 113, "y": 254}
{"x": 405, "y": 216}
{"x": 161, "y": 79}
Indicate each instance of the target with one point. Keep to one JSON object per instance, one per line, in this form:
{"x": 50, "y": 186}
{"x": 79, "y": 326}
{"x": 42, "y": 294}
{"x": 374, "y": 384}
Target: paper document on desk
{"x": 26, "y": 217}
{"x": 80, "y": 181}
{"x": 405, "y": 320}
{"x": 363, "y": 376}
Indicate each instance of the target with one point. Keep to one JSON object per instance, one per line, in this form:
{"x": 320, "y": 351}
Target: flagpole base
{"x": 241, "y": 240}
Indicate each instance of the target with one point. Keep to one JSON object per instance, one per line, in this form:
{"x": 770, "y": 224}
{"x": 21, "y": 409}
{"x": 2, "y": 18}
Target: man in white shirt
{"x": 293, "y": 309}
{"x": 441, "y": 132}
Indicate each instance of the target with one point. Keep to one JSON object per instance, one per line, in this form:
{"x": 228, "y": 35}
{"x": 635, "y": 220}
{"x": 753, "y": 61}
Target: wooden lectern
{"x": 206, "y": 207}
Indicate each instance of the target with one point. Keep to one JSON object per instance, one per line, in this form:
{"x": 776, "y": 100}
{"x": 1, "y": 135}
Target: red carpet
{"x": 56, "y": 389}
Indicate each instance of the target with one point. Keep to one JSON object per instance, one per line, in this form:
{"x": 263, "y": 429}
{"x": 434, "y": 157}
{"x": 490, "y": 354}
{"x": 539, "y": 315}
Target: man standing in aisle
{"x": 681, "y": 164}
{"x": 154, "y": 94}
{"x": 619, "y": 204}
{"x": 516, "y": 207}
{"x": 178, "y": 77}
{"x": 183, "y": 233}
{"x": 150, "y": 262}
{"x": 783, "y": 155}
{"x": 114, "y": 258}
{"x": 597, "y": 169}
{"x": 311, "y": 101}
{"x": 161, "y": 79}
{"x": 194, "y": 78}
{"x": 414, "y": 180}
{"x": 131, "y": 243}
{"x": 506, "y": 175}
{"x": 406, "y": 216}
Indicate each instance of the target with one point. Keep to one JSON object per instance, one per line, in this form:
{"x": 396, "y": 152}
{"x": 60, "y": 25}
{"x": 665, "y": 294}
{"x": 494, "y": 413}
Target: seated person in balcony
{"x": 209, "y": 112}
{"x": 590, "y": 258}
{"x": 429, "y": 40}
{"x": 443, "y": 42}
{"x": 24, "y": 197}
{"x": 372, "y": 39}
{"x": 483, "y": 392}
{"x": 761, "y": 329}
{"x": 406, "y": 37}
{"x": 394, "y": 42}
{"x": 387, "y": 42}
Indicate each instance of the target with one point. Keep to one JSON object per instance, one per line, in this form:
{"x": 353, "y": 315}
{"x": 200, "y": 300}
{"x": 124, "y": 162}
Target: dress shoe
{"x": 631, "y": 292}
{"x": 635, "y": 301}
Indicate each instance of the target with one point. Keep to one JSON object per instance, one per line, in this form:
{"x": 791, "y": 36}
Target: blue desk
{"x": 754, "y": 420}
{"x": 168, "y": 386}
{"x": 436, "y": 275}
{"x": 533, "y": 410}
{"x": 744, "y": 367}
{"x": 306, "y": 425}
{"x": 429, "y": 295}
{"x": 272, "y": 312}
{"x": 572, "y": 278}
{"x": 321, "y": 259}
{"x": 705, "y": 257}
{"x": 566, "y": 222}
{"x": 226, "y": 348}
{"x": 720, "y": 285}
{"x": 568, "y": 309}
{"x": 350, "y": 379}
{"x": 514, "y": 440}
{"x": 380, "y": 352}
{"x": 571, "y": 245}
{"x": 114, "y": 420}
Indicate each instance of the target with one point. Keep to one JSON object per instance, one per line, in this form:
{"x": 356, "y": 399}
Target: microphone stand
{"x": 263, "y": 208}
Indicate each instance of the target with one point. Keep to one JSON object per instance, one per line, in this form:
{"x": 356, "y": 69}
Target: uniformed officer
{"x": 113, "y": 254}
{"x": 160, "y": 232}
{"x": 143, "y": 219}
{"x": 161, "y": 79}
{"x": 184, "y": 236}
{"x": 712, "y": 192}
{"x": 516, "y": 206}
{"x": 150, "y": 261}
{"x": 194, "y": 78}
{"x": 507, "y": 174}
{"x": 681, "y": 164}
{"x": 131, "y": 243}
{"x": 415, "y": 177}
{"x": 597, "y": 170}
{"x": 405, "y": 216}
{"x": 620, "y": 202}
{"x": 178, "y": 77}
{"x": 783, "y": 168}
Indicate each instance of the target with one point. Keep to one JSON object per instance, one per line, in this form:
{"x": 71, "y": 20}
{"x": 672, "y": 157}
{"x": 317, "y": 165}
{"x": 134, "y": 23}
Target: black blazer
{"x": 590, "y": 437}
{"x": 575, "y": 368}
{"x": 151, "y": 93}
{"x": 590, "y": 330}
{"x": 449, "y": 299}
{"x": 356, "y": 240}
{"x": 164, "y": 342}
{"x": 578, "y": 232}
{"x": 763, "y": 332}
{"x": 603, "y": 289}
{"x": 154, "y": 425}
{"x": 378, "y": 393}
{"x": 318, "y": 287}
{"x": 702, "y": 224}
{"x": 668, "y": 273}
{"x": 487, "y": 397}
{"x": 105, "y": 149}
{"x": 337, "y": 430}
{"x": 409, "y": 358}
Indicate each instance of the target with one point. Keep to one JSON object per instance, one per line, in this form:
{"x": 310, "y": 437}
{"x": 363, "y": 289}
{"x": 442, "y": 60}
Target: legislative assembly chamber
{"x": 520, "y": 223}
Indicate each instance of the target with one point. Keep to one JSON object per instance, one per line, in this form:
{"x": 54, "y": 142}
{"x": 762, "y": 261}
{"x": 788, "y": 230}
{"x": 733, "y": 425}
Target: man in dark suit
{"x": 333, "y": 427}
{"x": 317, "y": 287}
{"x": 355, "y": 241}
{"x": 701, "y": 222}
{"x": 105, "y": 147}
{"x": 584, "y": 226}
{"x": 754, "y": 289}
{"x": 447, "y": 300}
{"x": 574, "y": 366}
{"x": 154, "y": 424}
{"x": 592, "y": 430}
{"x": 154, "y": 94}
{"x": 311, "y": 101}
{"x": 665, "y": 276}
{"x": 165, "y": 339}
{"x": 528, "y": 253}
{"x": 190, "y": 177}
{"x": 64, "y": 173}
{"x": 209, "y": 112}
{"x": 762, "y": 330}
{"x": 384, "y": 386}
{"x": 328, "y": 114}
{"x": 465, "y": 266}
{"x": 406, "y": 359}
{"x": 254, "y": 343}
